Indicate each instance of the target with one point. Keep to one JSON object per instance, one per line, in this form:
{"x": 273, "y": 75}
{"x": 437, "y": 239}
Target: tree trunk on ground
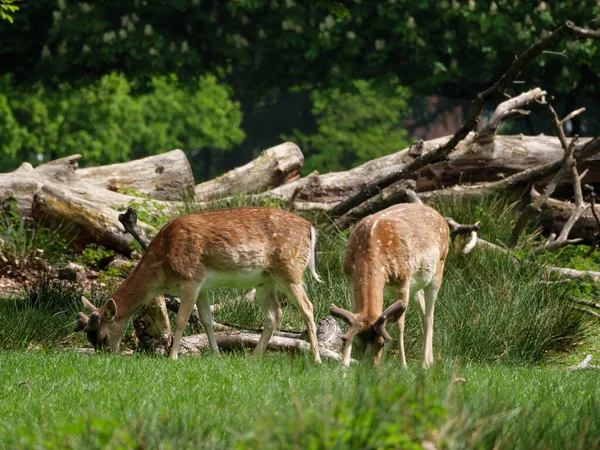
{"x": 471, "y": 162}
{"x": 166, "y": 176}
{"x": 274, "y": 166}
{"x": 329, "y": 338}
{"x": 152, "y": 327}
{"x": 80, "y": 217}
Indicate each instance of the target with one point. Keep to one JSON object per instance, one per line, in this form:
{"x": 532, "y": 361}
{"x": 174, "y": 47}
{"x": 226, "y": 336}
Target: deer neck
{"x": 368, "y": 296}
{"x": 137, "y": 290}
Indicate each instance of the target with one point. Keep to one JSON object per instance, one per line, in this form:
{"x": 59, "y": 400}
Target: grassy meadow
{"x": 503, "y": 335}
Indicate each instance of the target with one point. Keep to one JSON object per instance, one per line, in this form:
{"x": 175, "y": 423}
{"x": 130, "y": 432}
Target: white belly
{"x": 240, "y": 279}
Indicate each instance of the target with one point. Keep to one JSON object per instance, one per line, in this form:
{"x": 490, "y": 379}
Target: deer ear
{"x": 82, "y": 321}
{"x": 88, "y": 305}
{"x": 110, "y": 310}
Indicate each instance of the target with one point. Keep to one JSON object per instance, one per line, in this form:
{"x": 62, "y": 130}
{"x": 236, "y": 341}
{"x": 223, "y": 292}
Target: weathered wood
{"x": 166, "y": 176}
{"x": 82, "y": 217}
{"x": 152, "y": 327}
{"x": 238, "y": 340}
{"x": 556, "y": 213}
{"x": 469, "y": 163}
{"x": 274, "y": 166}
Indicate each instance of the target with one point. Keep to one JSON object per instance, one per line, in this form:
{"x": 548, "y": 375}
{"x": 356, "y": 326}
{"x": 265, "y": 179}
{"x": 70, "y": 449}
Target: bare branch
{"x": 505, "y": 111}
{"x": 535, "y": 207}
{"x": 572, "y": 115}
{"x": 588, "y": 303}
{"x": 585, "y": 364}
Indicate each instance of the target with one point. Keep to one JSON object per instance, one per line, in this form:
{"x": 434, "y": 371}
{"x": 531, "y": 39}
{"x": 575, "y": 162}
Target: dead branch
{"x": 587, "y": 311}
{"x": 239, "y": 340}
{"x": 129, "y": 222}
{"x": 594, "y": 244}
{"x": 585, "y": 364}
{"x": 397, "y": 193}
{"x": 568, "y": 165}
{"x": 588, "y": 303}
{"x": 505, "y": 111}
{"x": 566, "y": 31}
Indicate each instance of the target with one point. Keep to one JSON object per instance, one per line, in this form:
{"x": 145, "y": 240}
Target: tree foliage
{"x": 354, "y": 126}
{"x": 7, "y": 8}
{"x": 108, "y": 122}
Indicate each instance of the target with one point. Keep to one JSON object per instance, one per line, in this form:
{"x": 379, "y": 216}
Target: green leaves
{"x": 354, "y": 126}
{"x": 107, "y": 122}
{"x": 6, "y": 9}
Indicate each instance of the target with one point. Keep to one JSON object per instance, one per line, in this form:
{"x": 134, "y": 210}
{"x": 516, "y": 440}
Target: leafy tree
{"x": 354, "y": 127}
{"x": 7, "y": 8}
{"x": 107, "y": 122}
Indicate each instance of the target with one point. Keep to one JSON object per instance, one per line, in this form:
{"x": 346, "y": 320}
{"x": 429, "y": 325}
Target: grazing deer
{"x": 404, "y": 248}
{"x": 243, "y": 248}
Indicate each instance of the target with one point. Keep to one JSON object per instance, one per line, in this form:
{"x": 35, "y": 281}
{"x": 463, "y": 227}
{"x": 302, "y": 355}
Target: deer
{"x": 247, "y": 247}
{"x": 402, "y": 248}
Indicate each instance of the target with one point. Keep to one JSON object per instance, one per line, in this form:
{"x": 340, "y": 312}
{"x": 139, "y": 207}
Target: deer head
{"x": 101, "y": 328}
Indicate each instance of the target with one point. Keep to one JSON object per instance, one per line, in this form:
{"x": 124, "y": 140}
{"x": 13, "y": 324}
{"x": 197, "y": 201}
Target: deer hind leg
{"x": 297, "y": 295}
{"x": 267, "y": 295}
{"x": 430, "y": 295}
{"x": 189, "y": 293}
{"x": 206, "y": 318}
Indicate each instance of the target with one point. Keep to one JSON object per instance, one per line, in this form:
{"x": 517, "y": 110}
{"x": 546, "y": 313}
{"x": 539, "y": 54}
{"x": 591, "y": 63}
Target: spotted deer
{"x": 242, "y": 248}
{"x": 403, "y": 248}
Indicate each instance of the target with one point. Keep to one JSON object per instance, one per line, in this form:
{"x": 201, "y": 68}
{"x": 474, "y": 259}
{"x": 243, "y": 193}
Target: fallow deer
{"x": 403, "y": 248}
{"x": 243, "y": 248}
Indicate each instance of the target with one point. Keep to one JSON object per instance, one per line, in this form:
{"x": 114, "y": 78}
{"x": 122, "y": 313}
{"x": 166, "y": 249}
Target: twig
{"x": 585, "y": 364}
{"x": 588, "y": 303}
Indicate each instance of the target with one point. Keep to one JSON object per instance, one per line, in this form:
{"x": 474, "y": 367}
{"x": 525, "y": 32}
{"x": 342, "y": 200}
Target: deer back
{"x": 232, "y": 239}
{"x": 401, "y": 244}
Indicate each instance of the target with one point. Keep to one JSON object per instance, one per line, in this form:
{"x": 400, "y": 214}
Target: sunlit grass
{"x": 70, "y": 400}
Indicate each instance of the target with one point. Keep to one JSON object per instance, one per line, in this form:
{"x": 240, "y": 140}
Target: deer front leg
{"x": 206, "y": 319}
{"x": 189, "y": 293}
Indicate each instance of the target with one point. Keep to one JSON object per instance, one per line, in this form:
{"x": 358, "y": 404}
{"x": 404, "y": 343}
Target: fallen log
{"x": 239, "y": 340}
{"x": 81, "y": 217}
{"x": 471, "y": 162}
{"x": 273, "y": 167}
{"x": 166, "y": 176}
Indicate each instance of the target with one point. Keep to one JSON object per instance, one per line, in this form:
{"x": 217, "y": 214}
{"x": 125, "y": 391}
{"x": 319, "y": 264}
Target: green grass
{"x": 68, "y": 400}
{"x": 501, "y": 335}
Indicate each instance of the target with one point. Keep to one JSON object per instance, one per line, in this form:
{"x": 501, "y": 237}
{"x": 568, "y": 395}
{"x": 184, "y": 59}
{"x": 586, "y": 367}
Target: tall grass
{"x": 41, "y": 316}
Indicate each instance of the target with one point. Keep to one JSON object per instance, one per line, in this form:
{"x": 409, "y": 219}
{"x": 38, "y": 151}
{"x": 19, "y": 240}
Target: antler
{"x": 82, "y": 321}
{"x": 349, "y": 318}
{"x": 393, "y": 312}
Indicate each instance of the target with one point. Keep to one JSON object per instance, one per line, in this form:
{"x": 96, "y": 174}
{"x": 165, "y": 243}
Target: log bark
{"x": 82, "y": 217}
{"x": 275, "y": 166}
{"x": 238, "y": 340}
{"x": 167, "y": 176}
{"x": 469, "y": 163}
{"x": 153, "y": 328}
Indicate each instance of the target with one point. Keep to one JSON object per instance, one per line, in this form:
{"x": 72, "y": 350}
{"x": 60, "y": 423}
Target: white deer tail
{"x": 312, "y": 259}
